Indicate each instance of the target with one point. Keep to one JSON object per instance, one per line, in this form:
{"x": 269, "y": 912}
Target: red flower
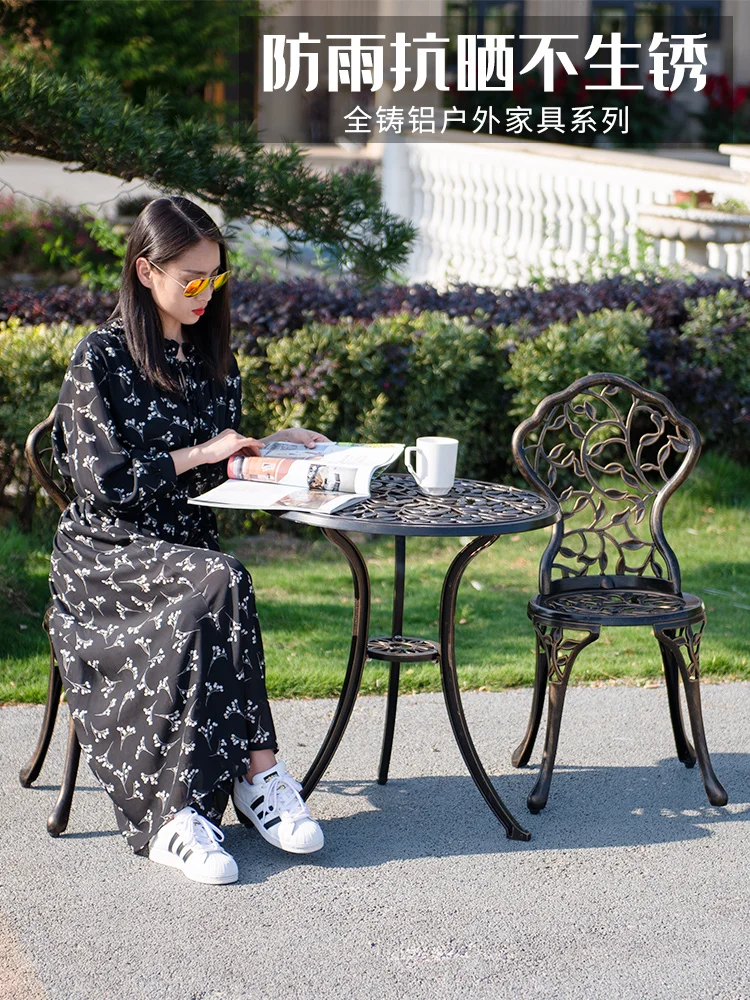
{"x": 560, "y": 81}
{"x": 722, "y": 96}
{"x": 740, "y": 97}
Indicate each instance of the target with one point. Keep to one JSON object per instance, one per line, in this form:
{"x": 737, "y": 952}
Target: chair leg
{"x": 687, "y": 638}
{"x": 30, "y": 771}
{"x": 523, "y": 751}
{"x": 58, "y": 818}
{"x": 390, "y": 722}
{"x": 685, "y": 752}
{"x": 560, "y": 655}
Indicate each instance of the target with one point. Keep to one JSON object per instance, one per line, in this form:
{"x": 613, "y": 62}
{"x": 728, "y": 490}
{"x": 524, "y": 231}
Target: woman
{"x": 154, "y": 629}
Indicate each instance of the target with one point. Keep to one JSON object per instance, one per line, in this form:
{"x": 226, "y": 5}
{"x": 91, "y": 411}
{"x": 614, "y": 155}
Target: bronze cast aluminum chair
{"x": 39, "y": 457}
{"x": 612, "y": 453}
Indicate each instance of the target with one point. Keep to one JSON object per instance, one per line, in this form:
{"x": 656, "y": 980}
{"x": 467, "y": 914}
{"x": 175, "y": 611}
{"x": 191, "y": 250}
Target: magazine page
{"x": 332, "y": 467}
{"x": 239, "y": 493}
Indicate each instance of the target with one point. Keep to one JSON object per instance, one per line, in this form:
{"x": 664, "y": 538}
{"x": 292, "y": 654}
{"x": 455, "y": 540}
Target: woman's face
{"x": 175, "y": 308}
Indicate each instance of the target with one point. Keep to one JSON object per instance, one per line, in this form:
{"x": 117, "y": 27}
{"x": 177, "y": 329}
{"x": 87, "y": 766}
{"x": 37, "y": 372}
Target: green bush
{"x": 391, "y": 380}
{"x": 402, "y": 376}
{"x": 604, "y": 341}
{"x": 712, "y": 375}
{"x": 51, "y": 239}
{"x": 719, "y": 327}
{"x": 20, "y": 243}
{"x": 33, "y": 361}
{"x": 97, "y": 257}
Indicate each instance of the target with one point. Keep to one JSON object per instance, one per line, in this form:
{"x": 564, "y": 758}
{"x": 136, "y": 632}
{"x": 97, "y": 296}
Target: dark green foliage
{"x": 726, "y": 115}
{"x": 175, "y": 48}
{"x": 717, "y": 336}
{"x": 609, "y": 340}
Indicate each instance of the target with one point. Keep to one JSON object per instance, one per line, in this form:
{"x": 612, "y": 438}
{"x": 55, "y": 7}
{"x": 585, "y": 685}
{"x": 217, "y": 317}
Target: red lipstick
{"x": 199, "y": 312}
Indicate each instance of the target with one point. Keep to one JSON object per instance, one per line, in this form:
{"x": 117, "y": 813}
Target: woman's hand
{"x": 217, "y": 449}
{"x": 229, "y": 443}
{"x": 296, "y": 435}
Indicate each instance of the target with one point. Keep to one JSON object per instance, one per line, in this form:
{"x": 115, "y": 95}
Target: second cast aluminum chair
{"x": 612, "y": 453}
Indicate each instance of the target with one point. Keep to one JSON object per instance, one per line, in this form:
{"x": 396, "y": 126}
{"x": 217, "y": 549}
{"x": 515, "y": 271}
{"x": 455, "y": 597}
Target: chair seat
{"x": 617, "y": 607}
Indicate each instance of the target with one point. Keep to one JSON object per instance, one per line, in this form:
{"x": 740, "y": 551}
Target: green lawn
{"x": 304, "y": 598}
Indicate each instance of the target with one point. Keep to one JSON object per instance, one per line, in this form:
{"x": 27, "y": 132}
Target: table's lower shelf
{"x": 402, "y": 649}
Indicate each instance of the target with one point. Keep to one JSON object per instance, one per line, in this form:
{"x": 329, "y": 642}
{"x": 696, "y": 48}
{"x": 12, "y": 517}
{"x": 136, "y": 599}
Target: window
{"x": 638, "y": 20}
{"x": 700, "y": 17}
{"x": 481, "y": 17}
{"x": 484, "y": 17}
{"x": 650, "y": 18}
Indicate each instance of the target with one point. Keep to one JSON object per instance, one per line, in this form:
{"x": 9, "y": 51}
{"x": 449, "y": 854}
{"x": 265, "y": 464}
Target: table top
{"x": 397, "y": 507}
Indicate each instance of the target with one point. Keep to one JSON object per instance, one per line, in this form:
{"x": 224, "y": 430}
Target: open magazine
{"x": 287, "y": 476}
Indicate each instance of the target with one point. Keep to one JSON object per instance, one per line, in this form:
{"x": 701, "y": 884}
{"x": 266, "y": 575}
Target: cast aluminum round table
{"x": 396, "y": 507}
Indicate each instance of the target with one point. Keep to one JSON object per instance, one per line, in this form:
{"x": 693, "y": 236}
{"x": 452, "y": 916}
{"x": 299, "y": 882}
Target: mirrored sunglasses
{"x": 197, "y": 285}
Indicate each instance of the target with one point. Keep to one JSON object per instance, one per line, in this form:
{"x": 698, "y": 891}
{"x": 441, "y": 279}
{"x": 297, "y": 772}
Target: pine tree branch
{"x": 88, "y": 122}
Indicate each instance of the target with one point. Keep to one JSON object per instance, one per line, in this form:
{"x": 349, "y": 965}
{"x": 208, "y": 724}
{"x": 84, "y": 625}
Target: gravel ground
{"x": 631, "y": 887}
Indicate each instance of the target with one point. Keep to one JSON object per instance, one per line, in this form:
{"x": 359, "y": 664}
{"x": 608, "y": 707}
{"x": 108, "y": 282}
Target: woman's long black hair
{"x": 164, "y": 230}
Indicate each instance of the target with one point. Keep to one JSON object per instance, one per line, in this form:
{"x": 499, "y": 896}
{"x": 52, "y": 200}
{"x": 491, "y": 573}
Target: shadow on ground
{"x": 589, "y": 807}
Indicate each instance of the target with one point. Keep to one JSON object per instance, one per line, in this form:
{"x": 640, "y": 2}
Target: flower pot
{"x": 695, "y": 227}
{"x": 702, "y": 199}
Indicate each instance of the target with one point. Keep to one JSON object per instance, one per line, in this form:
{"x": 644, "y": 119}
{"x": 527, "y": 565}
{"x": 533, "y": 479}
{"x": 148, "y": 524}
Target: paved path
{"x": 37, "y": 177}
{"x": 632, "y": 886}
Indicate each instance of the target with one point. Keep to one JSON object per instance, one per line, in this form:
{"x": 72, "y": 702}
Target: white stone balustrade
{"x": 497, "y": 212}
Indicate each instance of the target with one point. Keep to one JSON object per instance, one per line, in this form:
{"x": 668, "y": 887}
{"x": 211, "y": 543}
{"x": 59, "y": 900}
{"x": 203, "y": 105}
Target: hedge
{"x": 33, "y": 360}
{"x": 277, "y": 308}
{"x": 388, "y": 380}
{"x": 360, "y": 372}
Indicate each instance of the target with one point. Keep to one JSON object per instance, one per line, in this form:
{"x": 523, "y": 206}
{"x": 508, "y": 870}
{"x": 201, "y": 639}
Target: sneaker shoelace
{"x": 206, "y": 834}
{"x": 283, "y": 793}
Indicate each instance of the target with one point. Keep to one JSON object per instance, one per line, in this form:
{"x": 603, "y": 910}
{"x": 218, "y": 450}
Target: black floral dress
{"x": 154, "y": 628}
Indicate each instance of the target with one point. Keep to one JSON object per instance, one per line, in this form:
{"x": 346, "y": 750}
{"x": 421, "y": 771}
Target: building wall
{"x": 555, "y": 14}
{"x": 300, "y": 116}
{"x": 739, "y": 11}
{"x": 293, "y": 117}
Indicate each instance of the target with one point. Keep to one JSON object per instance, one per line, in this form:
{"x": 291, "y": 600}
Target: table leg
{"x": 451, "y": 691}
{"x": 357, "y": 657}
{"x": 394, "y": 674}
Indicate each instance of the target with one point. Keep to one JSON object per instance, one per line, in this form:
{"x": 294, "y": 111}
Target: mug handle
{"x": 407, "y": 462}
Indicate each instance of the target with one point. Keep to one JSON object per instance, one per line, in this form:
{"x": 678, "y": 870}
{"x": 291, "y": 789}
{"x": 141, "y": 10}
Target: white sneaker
{"x": 191, "y": 842}
{"x": 273, "y": 804}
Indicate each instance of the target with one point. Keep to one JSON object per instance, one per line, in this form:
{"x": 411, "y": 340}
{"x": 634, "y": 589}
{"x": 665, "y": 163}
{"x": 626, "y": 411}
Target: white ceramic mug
{"x": 435, "y": 460}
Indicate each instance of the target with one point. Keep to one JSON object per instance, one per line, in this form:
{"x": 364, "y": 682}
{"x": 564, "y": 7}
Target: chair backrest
{"x": 612, "y": 453}
{"x": 39, "y": 456}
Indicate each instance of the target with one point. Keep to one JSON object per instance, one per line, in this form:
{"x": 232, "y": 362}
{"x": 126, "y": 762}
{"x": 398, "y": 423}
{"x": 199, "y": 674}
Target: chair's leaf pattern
{"x": 685, "y": 640}
{"x": 560, "y": 648}
{"x": 607, "y": 454}
{"x": 154, "y": 629}
{"x": 609, "y": 603}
